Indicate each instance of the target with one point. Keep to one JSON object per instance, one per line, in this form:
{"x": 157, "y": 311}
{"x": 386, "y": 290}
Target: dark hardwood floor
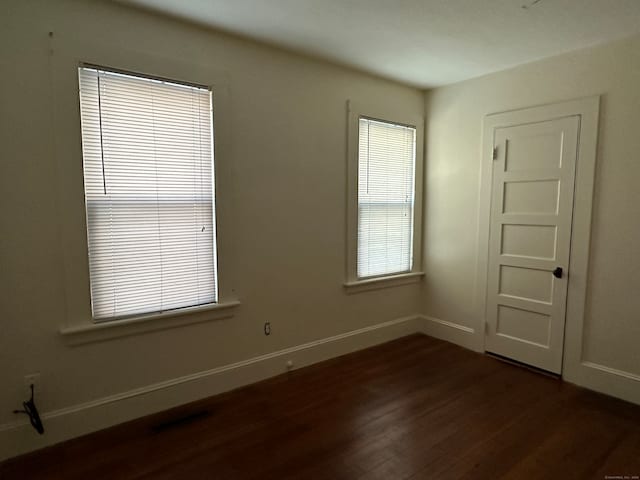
{"x": 415, "y": 408}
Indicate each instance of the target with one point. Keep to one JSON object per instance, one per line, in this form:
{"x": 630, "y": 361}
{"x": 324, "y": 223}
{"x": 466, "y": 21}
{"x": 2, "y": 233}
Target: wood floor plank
{"x": 415, "y": 408}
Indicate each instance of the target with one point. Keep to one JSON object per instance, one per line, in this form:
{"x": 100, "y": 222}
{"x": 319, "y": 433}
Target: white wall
{"x": 288, "y": 148}
{"x": 454, "y": 134}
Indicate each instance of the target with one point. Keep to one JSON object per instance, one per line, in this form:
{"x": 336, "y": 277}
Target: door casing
{"x": 588, "y": 111}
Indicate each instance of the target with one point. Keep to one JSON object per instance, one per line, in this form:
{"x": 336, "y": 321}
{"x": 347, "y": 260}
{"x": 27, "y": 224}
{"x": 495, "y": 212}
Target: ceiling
{"x": 425, "y": 43}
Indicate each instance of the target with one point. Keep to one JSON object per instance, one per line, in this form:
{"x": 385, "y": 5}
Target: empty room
{"x": 320, "y": 239}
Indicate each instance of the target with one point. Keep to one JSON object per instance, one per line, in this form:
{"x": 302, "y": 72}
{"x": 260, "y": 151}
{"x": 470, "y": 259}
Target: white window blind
{"x": 149, "y": 193}
{"x": 386, "y": 191}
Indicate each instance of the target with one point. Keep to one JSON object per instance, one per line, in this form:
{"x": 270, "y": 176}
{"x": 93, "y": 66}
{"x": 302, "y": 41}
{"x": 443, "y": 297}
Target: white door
{"x": 529, "y": 243}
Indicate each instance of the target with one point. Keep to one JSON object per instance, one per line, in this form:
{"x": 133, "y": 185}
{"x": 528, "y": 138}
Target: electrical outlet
{"x": 31, "y": 379}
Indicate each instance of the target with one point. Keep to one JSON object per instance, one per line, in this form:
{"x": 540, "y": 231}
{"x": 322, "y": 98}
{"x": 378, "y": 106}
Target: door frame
{"x": 587, "y": 109}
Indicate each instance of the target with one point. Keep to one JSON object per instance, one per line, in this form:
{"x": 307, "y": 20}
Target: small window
{"x": 149, "y": 193}
{"x": 385, "y": 197}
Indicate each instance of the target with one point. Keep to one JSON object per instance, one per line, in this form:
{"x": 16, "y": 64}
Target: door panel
{"x": 530, "y": 234}
{"x": 524, "y": 325}
{"x": 526, "y": 283}
{"x": 539, "y": 196}
{"x": 533, "y": 241}
{"x": 545, "y": 146}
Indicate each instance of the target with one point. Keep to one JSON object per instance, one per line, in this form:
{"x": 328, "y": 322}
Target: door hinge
{"x": 495, "y": 153}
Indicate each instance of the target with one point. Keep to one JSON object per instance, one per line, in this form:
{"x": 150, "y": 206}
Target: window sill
{"x": 357, "y": 286}
{"x": 101, "y": 331}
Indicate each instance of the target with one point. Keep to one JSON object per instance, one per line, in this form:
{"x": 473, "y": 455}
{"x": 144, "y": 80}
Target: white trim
{"x": 587, "y": 109}
{"x": 63, "y": 424}
{"x": 576, "y": 369}
{"x": 451, "y": 332}
{"x": 66, "y": 423}
{"x": 65, "y": 58}
{"x": 612, "y": 371}
{"x": 99, "y": 331}
{"x": 354, "y": 112}
{"x": 607, "y": 380}
{"x": 377, "y": 283}
{"x": 600, "y": 378}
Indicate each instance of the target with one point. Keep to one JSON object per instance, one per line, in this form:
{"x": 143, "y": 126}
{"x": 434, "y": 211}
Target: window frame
{"x": 89, "y": 206}
{"x": 66, "y": 58}
{"x": 354, "y": 113}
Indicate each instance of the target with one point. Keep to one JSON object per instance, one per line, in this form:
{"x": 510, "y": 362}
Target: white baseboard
{"x": 19, "y": 437}
{"x": 590, "y": 375}
{"x": 451, "y": 332}
{"x": 607, "y": 380}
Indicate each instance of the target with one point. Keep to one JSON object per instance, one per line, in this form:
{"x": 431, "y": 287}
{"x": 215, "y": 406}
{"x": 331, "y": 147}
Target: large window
{"x": 384, "y": 197}
{"x": 149, "y": 193}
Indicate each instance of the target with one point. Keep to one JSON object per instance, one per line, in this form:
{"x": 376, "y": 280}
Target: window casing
{"x": 384, "y": 198}
{"x": 149, "y": 193}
